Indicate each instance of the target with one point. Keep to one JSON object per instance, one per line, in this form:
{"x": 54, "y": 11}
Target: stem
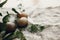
{"x": 1, "y": 4}
{"x": 14, "y": 10}
{"x": 7, "y": 12}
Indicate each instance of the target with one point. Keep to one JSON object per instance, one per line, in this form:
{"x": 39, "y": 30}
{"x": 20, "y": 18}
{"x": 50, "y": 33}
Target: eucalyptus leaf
{"x": 17, "y": 34}
{"x": 34, "y": 28}
{"x": 20, "y": 35}
{"x": 42, "y": 28}
{"x": 6, "y": 19}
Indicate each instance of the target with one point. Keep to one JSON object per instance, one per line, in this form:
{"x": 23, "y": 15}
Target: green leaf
{"x": 20, "y": 35}
{"x": 6, "y": 19}
{"x": 17, "y": 34}
{"x": 34, "y": 28}
{"x": 1, "y": 4}
{"x": 42, "y": 28}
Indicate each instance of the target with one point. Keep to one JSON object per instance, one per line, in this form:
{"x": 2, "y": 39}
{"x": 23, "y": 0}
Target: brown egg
{"x": 22, "y": 22}
{"x": 22, "y": 15}
{"x": 10, "y": 26}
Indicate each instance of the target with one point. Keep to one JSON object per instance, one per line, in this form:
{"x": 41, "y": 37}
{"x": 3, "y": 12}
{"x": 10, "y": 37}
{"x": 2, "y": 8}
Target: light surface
{"x": 32, "y": 3}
